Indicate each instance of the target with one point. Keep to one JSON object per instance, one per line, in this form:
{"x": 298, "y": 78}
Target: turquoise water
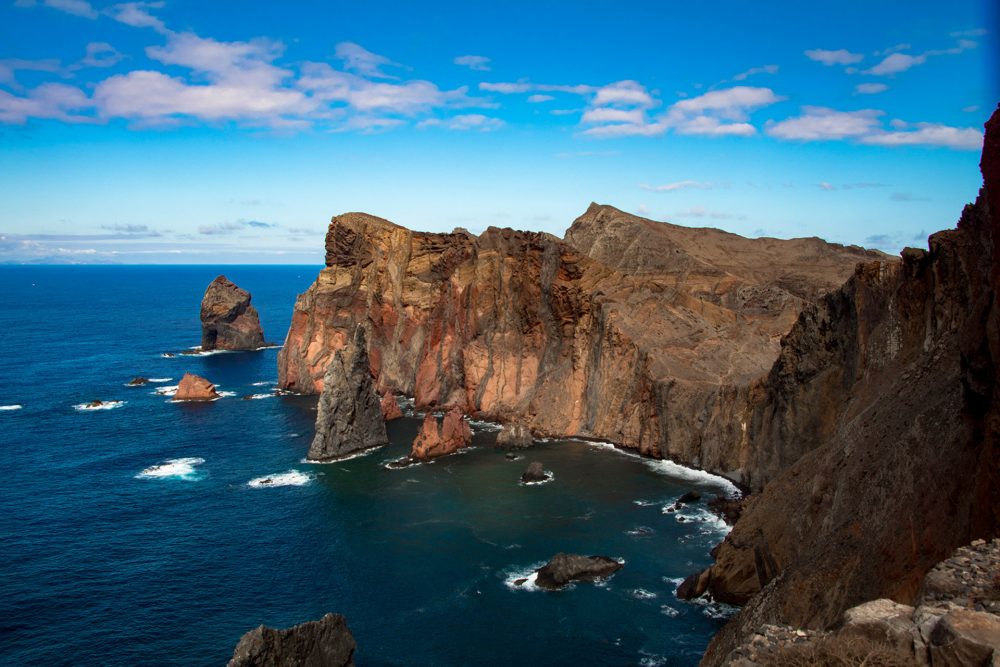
{"x": 136, "y": 535}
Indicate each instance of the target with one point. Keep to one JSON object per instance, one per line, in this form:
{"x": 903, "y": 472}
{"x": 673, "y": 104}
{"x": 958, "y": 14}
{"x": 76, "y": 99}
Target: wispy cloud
{"x": 834, "y": 57}
{"x": 226, "y": 228}
{"x": 478, "y": 63}
{"x": 753, "y": 71}
{"x": 358, "y": 59}
{"x": 472, "y": 121}
{"x": 679, "y": 185}
{"x": 870, "y": 88}
{"x": 906, "y": 197}
{"x": 74, "y": 7}
{"x": 895, "y": 63}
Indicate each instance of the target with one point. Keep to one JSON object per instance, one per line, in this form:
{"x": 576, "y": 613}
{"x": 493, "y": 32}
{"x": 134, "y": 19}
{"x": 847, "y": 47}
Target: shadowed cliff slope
{"x": 653, "y": 347}
{"x": 891, "y": 380}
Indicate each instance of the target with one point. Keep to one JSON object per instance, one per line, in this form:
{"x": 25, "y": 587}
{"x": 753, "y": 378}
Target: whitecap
{"x": 652, "y": 660}
{"x": 226, "y": 394}
{"x": 290, "y": 478}
{"x": 484, "y": 425}
{"x": 708, "y": 522}
{"x": 104, "y": 405}
{"x": 257, "y": 397}
{"x": 690, "y": 475}
{"x": 645, "y": 503}
{"x": 640, "y": 531}
{"x": 11, "y": 407}
{"x": 643, "y": 594}
{"x": 264, "y": 383}
{"x": 355, "y": 455}
{"x": 549, "y": 476}
{"x": 522, "y": 578}
{"x": 269, "y": 347}
{"x": 169, "y": 390}
{"x": 667, "y": 610}
{"x": 159, "y": 380}
{"x": 174, "y": 468}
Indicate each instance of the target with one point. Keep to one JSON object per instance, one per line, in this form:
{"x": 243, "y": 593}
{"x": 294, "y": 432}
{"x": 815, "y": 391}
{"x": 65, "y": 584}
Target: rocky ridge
{"x": 327, "y": 642}
{"x": 655, "y": 351}
{"x": 228, "y": 321}
{"x": 879, "y": 422}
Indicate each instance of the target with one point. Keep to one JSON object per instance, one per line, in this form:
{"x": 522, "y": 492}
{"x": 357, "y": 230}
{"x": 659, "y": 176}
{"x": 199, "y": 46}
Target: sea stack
{"x": 326, "y": 642}
{"x": 435, "y": 439}
{"x": 228, "y": 321}
{"x": 195, "y": 388}
{"x": 349, "y": 418}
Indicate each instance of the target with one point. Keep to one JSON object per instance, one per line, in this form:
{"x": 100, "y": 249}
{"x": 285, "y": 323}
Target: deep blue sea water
{"x": 102, "y": 565}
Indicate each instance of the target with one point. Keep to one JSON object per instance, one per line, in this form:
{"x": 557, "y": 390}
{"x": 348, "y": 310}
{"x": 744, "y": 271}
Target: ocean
{"x": 140, "y": 534}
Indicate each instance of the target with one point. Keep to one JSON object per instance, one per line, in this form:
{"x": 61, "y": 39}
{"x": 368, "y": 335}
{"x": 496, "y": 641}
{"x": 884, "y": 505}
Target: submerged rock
{"x": 514, "y": 436}
{"x": 228, "y": 321}
{"x": 195, "y": 388}
{"x": 327, "y": 642}
{"x": 564, "y": 568}
{"x": 349, "y": 416}
{"x": 434, "y": 440}
{"x": 390, "y": 407}
{"x": 534, "y": 473}
{"x": 138, "y": 382}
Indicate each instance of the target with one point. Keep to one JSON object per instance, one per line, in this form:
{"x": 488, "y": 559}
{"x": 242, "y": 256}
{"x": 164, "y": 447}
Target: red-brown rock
{"x": 434, "y": 439}
{"x": 390, "y": 408}
{"x": 195, "y": 388}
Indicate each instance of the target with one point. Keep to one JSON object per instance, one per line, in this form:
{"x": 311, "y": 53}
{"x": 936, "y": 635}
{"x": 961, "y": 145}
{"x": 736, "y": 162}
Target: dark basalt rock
{"x": 138, "y": 382}
{"x": 228, "y": 321}
{"x": 349, "y": 415}
{"x": 534, "y": 473}
{"x": 327, "y": 642}
{"x": 564, "y": 568}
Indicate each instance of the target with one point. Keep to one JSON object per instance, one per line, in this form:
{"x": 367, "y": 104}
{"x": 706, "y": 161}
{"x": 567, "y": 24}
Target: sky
{"x": 230, "y": 132}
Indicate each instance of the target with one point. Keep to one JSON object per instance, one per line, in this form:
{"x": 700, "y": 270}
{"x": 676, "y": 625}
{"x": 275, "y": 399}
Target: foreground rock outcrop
{"x": 439, "y": 439}
{"x": 566, "y": 568}
{"x": 349, "y": 415}
{"x": 954, "y": 623}
{"x": 642, "y": 333}
{"x": 327, "y": 642}
{"x": 228, "y": 321}
{"x": 880, "y": 422}
{"x": 195, "y": 388}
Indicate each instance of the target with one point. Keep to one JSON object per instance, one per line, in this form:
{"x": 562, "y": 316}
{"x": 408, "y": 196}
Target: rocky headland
{"x": 646, "y": 334}
{"x": 228, "y": 321}
{"x": 349, "y": 415}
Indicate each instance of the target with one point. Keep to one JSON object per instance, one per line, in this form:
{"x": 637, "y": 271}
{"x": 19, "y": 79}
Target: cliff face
{"x": 653, "y": 347}
{"x": 879, "y": 425}
{"x": 228, "y": 321}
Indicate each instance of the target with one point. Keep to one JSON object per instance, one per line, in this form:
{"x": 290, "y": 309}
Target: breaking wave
{"x": 184, "y": 468}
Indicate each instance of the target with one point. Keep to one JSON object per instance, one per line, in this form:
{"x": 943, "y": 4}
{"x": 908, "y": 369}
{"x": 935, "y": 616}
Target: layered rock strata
{"x": 327, "y": 642}
{"x": 349, "y": 415}
{"x": 228, "y": 321}
{"x": 653, "y": 346}
{"x": 195, "y": 388}
{"x": 881, "y": 420}
{"x": 436, "y": 439}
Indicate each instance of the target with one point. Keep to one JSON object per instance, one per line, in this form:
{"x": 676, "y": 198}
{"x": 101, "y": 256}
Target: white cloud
{"x": 10, "y": 66}
{"x": 895, "y": 63}
{"x": 827, "y": 186}
{"x": 537, "y": 99}
{"x": 766, "y": 69}
{"x": 74, "y": 7}
{"x": 49, "y": 100}
{"x": 732, "y": 103}
{"x": 623, "y": 93}
{"x": 359, "y": 59}
{"x": 975, "y": 32}
{"x": 835, "y": 57}
{"x": 136, "y": 14}
{"x": 821, "y": 123}
{"x": 971, "y": 108}
{"x": 679, "y": 185}
{"x": 930, "y": 134}
{"x": 100, "y": 54}
{"x": 478, "y": 63}
{"x": 506, "y": 88}
{"x": 473, "y": 121}
{"x": 710, "y": 126}
{"x": 611, "y": 115}
{"x": 870, "y": 88}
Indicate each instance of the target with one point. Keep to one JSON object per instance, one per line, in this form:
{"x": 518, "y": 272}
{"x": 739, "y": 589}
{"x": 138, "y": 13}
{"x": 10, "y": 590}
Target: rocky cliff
{"x": 228, "y": 321}
{"x": 878, "y": 428}
{"x": 327, "y": 642}
{"x": 653, "y": 346}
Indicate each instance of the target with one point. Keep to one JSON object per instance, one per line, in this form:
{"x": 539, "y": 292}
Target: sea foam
{"x": 11, "y": 407}
{"x": 174, "y": 469}
{"x": 105, "y": 405}
{"x": 290, "y": 478}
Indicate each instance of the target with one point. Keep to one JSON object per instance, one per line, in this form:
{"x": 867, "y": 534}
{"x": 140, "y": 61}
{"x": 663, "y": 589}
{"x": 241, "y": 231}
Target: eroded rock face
{"x": 879, "y": 425}
{"x": 390, "y": 407}
{"x": 327, "y": 642}
{"x": 228, "y": 321}
{"x": 565, "y": 568}
{"x": 514, "y": 436}
{"x": 349, "y": 415}
{"x": 439, "y": 439}
{"x": 655, "y": 351}
{"x": 195, "y": 388}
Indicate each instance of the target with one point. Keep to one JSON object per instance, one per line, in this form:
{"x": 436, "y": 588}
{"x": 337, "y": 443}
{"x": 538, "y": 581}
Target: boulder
{"x": 228, "y": 321}
{"x": 349, "y": 416}
{"x": 327, "y": 642}
{"x": 434, "y": 439}
{"x": 390, "y": 407}
{"x": 138, "y": 381}
{"x": 514, "y": 436}
{"x": 694, "y": 586}
{"x": 195, "y": 388}
{"x": 564, "y": 568}
{"x": 534, "y": 473}
{"x": 965, "y": 637}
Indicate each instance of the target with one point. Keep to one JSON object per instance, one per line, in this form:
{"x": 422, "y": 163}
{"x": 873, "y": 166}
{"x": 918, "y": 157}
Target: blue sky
{"x": 230, "y": 132}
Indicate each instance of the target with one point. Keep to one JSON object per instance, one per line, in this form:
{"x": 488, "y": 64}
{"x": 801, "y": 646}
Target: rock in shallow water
{"x": 195, "y": 388}
{"x": 436, "y": 440}
{"x": 534, "y": 473}
{"x": 564, "y": 568}
{"x": 327, "y": 642}
{"x": 228, "y": 321}
{"x": 349, "y": 416}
